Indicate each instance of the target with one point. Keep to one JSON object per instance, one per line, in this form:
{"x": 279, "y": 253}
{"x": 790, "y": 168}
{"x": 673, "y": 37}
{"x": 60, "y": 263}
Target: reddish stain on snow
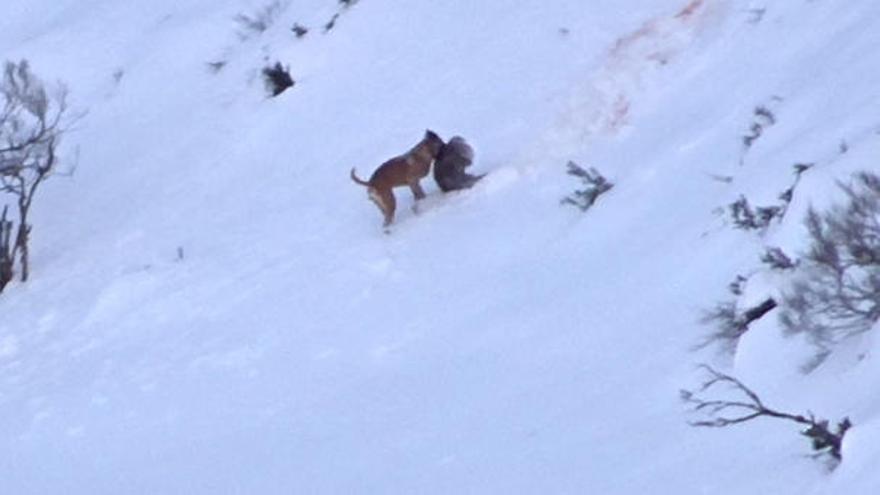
{"x": 690, "y": 9}
{"x": 650, "y": 33}
{"x": 619, "y": 113}
{"x": 622, "y": 43}
{"x": 649, "y": 29}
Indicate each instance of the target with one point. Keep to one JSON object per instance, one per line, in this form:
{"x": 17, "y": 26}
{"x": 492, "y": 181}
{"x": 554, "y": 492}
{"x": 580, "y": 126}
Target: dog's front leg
{"x": 417, "y": 191}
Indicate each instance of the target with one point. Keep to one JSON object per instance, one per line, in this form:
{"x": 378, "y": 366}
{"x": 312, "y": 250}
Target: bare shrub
{"x": 257, "y": 23}
{"x": 756, "y": 15}
{"x": 216, "y": 66}
{"x": 745, "y": 217}
{"x": 762, "y": 118}
{"x": 736, "y": 287}
{"x": 721, "y": 413}
{"x": 299, "y": 30}
{"x": 32, "y": 122}
{"x": 331, "y": 23}
{"x": 730, "y": 323}
{"x": 836, "y": 292}
{"x": 344, "y": 5}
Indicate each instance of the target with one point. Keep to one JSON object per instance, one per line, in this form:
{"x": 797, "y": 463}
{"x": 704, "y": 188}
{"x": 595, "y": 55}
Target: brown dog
{"x": 403, "y": 170}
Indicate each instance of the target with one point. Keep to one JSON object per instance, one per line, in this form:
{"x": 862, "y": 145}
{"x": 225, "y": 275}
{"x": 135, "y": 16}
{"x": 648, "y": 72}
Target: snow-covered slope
{"x": 497, "y": 342}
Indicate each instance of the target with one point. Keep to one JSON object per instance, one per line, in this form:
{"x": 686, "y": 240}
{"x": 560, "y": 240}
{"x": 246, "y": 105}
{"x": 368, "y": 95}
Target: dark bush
{"x": 277, "y": 79}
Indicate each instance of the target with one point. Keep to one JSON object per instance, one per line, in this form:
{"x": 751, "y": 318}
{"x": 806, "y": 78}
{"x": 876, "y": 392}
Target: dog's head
{"x": 433, "y": 142}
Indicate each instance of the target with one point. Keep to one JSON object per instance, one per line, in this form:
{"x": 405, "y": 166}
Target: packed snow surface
{"x": 215, "y": 308}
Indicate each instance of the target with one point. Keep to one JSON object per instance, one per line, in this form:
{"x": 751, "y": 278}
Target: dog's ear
{"x": 429, "y": 134}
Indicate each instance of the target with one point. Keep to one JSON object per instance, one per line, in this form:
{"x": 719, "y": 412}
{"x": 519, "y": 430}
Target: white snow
{"x": 497, "y": 342}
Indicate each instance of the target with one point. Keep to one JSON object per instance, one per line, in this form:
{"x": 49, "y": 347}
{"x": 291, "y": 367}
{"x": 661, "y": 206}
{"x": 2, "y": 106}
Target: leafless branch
{"x": 721, "y": 413}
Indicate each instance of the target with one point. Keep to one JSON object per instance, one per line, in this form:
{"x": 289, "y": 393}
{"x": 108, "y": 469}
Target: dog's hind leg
{"x": 386, "y": 202}
{"x": 390, "y": 206}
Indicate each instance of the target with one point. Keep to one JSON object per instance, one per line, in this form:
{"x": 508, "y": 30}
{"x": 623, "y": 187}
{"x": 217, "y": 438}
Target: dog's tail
{"x": 358, "y": 180}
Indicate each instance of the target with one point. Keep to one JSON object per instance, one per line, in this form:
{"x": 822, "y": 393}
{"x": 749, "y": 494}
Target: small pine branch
{"x": 595, "y": 184}
{"x": 299, "y": 30}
